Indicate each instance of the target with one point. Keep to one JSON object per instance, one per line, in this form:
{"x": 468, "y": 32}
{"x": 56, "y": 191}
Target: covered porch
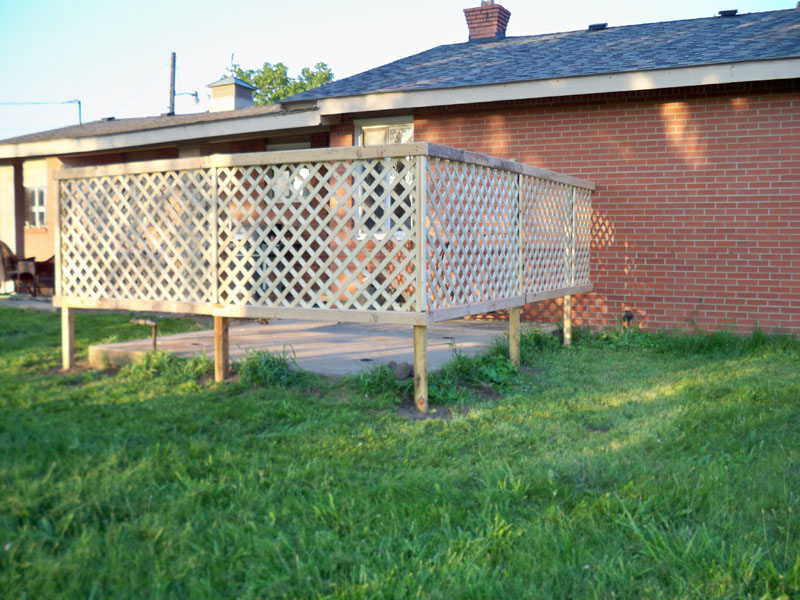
{"x": 406, "y": 234}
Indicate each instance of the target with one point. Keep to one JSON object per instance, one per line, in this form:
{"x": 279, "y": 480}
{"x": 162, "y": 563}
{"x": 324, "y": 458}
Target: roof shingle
{"x": 695, "y": 42}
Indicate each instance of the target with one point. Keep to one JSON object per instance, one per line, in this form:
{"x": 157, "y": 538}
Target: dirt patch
{"x": 78, "y": 366}
{"x": 408, "y": 411}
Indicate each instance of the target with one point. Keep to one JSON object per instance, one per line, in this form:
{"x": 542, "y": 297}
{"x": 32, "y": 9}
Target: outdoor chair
{"x": 45, "y": 276}
{"x": 21, "y": 271}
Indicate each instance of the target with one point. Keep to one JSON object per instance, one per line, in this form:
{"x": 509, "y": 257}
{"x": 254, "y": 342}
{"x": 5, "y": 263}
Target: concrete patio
{"x": 321, "y": 347}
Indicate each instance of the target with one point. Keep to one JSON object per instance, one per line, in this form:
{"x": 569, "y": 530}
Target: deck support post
{"x": 567, "y": 321}
{"x": 67, "y": 338}
{"x": 513, "y": 336}
{"x": 421, "y": 367}
{"x": 220, "y": 348}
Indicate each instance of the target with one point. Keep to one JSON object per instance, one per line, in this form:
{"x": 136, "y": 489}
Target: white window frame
{"x": 36, "y": 207}
{"x": 358, "y": 139}
{"x": 295, "y": 189}
{"x": 360, "y": 124}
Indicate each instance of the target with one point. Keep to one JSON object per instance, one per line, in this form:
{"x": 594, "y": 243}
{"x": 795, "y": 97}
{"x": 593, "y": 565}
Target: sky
{"x": 114, "y": 56}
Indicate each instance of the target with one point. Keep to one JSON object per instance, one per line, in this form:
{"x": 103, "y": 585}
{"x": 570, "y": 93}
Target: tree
{"x": 274, "y": 84}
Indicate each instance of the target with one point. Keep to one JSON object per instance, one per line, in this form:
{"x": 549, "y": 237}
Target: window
{"x": 395, "y": 192}
{"x": 294, "y": 182}
{"x": 36, "y": 207}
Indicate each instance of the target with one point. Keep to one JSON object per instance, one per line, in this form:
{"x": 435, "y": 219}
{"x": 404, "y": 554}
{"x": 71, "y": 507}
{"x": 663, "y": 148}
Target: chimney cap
{"x": 231, "y": 80}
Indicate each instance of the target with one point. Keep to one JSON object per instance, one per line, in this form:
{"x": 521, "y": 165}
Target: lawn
{"x": 629, "y": 466}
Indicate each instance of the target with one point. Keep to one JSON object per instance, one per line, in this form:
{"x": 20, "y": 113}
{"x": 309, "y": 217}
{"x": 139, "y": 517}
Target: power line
{"x": 78, "y": 102}
{"x": 136, "y": 93}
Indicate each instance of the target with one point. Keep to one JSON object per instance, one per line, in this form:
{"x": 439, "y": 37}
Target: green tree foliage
{"x": 274, "y": 84}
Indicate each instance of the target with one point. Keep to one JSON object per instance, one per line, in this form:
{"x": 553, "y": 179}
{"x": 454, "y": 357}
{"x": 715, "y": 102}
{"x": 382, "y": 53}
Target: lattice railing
{"x": 472, "y": 234}
{"x": 337, "y": 230}
{"x": 141, "y": 235}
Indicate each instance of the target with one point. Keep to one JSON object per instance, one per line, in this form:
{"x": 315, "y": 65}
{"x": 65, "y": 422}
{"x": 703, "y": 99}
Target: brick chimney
{"x": 487, "y": 22}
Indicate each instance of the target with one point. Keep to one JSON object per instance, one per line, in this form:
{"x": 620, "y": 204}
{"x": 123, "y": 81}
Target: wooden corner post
{"x": 220, "y": 348}
{"x": 421, "y": 367}
{"x": 567, "y": 320}
{"x": 573, "y": 241}
{"x": 67, "y": 338}
{"x": 421, "y": 331}
{"x": 513, "y": 335}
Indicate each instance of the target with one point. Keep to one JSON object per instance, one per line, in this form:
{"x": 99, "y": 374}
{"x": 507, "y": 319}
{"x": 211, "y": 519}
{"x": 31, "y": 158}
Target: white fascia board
{"x": 762, "y": 70}
{"x": 162, "y": 135}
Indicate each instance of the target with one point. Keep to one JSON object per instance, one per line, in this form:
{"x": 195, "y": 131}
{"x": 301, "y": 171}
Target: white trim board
{"x": 163, "y": 135}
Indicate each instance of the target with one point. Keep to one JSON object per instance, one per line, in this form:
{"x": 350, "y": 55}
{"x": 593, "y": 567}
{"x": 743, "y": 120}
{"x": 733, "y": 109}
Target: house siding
{"x": 696, "y": 217}
{"x": 38, "y": 240}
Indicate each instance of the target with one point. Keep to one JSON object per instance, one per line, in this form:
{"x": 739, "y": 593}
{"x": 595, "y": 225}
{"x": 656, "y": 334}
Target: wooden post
{"x": 421, "y": 367}
{"x": 571, "y": 275}
{"x": 54, "y": 209}
{"x": 220, "y": 348}
{"x": 67, "y": 338}
{"x": 513, "y": 335}
{"x": 567, "y": 321}
{"x": 19, "y": 211}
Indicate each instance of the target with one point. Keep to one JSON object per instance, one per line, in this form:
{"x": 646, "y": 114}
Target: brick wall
{"x": 697, "y": 209}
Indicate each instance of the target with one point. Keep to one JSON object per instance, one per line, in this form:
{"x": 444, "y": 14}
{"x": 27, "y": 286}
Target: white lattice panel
{"x": 142, "y": 236}
{"x": 330, "y": 228}
{"x": 547, "y": 234}
{"x": 583, "y": 235}
{"x": 319, "y": 235}
{"x": 472, "y": 248}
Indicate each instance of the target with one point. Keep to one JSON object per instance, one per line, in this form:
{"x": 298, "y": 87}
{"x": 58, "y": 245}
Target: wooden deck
{"x": 407, "y": 234}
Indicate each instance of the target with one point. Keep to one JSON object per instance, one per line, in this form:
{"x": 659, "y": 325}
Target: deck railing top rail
{"x": 326, "y": 154}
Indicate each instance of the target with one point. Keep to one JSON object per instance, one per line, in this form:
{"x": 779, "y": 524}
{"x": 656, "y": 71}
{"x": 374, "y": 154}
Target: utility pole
{"x": 171, "y": 110}
{"x": 171, "y": 107}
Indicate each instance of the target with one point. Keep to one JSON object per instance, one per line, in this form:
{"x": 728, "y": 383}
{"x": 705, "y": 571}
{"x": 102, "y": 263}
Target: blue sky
{"x": 114, "y": 55}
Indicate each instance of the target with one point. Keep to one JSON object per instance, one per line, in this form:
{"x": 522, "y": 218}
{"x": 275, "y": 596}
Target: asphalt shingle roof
{"x": 695, "y": 42}
{"x": 108, "y": 127}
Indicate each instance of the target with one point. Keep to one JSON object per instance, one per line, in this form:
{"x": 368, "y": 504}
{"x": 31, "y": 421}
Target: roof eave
{"x": 294, "y": 119}
{"x": 722, "y": 73}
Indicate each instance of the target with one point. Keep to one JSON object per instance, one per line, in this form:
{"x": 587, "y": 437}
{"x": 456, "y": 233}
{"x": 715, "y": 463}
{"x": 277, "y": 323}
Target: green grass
{"x": 629, "y": 466}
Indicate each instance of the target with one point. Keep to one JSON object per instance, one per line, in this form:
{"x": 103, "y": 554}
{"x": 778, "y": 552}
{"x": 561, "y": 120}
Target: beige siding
{"x": 39, "y": 240}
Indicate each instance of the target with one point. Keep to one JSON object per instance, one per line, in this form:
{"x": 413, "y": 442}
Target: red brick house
{"x": 691, "y": 130}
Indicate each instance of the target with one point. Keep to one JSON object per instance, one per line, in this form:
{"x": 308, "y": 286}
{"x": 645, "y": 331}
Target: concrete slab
{"x": 44, "y": 303}
{"x": 320, "y": 347}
